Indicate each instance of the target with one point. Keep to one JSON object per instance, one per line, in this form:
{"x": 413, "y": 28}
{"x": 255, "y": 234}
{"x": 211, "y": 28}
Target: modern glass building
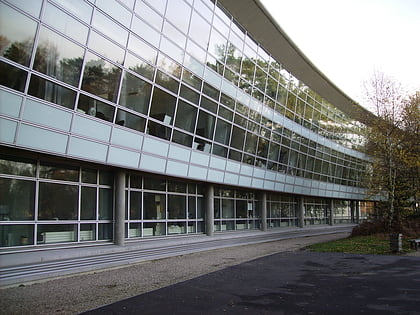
{"x": 129, "y": 119}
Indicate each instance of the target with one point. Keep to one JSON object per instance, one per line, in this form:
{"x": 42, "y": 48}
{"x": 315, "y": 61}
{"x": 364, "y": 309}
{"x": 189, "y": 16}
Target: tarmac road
{"x": 297, "y": 282}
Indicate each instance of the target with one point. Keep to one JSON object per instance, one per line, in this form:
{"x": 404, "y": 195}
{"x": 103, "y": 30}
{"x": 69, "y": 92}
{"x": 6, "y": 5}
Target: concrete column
{"x": 352, "y": 209}
{"x": 301, "y": 211}
{"x": 331, "y": 211}
{"x": 119, "y": 207}
{"x": 209, "y": 208}
{"x": 357, "y": 211}
{"x": 263, "y": 205}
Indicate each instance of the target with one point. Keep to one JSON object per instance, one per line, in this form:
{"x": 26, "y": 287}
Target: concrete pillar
{"x": 331, "y": 211}
{"x": 209, "y": 208}
{"x": 301, "y": 211}
{"x": 357, "y": 209}
{"x": 263, "y": 205}
{"x": 352, "y": 209}
{"x": 119, "y": 207}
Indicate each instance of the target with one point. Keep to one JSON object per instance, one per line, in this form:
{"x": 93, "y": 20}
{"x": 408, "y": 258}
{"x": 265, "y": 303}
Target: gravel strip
{"x": 75, "y": 294}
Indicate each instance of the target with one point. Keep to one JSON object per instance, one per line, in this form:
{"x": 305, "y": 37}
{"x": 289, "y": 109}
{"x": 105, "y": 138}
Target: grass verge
{"x": 377, "y": 244}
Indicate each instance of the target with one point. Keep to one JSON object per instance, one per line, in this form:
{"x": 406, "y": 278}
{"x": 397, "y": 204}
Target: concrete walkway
{"x": 35, "y": 265}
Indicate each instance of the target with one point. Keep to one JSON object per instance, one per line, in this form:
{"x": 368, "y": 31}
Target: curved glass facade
{"x": 171, "y": 88}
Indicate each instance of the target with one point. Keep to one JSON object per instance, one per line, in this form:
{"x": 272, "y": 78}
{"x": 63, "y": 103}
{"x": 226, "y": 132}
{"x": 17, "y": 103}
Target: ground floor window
{"x": 235, "y": 210}
{"x": 316, "y": 211}
{"x": 44, "y": 202}
{"x": 157, "y": 207}
{"x": 281, "y": 210}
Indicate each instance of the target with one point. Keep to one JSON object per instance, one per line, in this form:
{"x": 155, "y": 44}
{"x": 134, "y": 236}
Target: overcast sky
{"x": 348, "y": 40}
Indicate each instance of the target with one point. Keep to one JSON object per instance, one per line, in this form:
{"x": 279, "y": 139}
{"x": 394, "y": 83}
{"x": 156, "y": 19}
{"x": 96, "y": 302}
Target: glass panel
{"x": 251, "y": 143}
{"x": 57, "y": 202}
{"x": 167, "y": 82}
{"x": 177, "y": 187}
{"x": 154, "y": 206}
{"x": 87, "y": 232}
{"x": 60, "y": 172}
{"x": 145, "y": 31}
{"x": 192, "y": 207}
{"x": 238, "y": 138}
{"x": 169, "y": 66}
{"x": 209, "y": 105}
{"x": 88, "y": 203}
{"x": 205, "y": 125}
{"x": 178, "y": 12}
{"x": 151, "y": 229}
{"x": 65, "y": 23}
{"x": 130, "y": 120}
{"x": 105, "y": 204}
{"x": 16, "y": 235}
{"x": 15, "y": 166}
{"x": 222, "y": 134}
{"x": 135, "y": 93}
{"x": 115, "y": 10}
{"x": 142, "y": 49}
{"x": 182, "y": 138}
{"x": 189, "y": 94}
{"x": 155, "y": 184}
{"x": 135, "y": 205}
{"x": 51, "y": 92}
{"x": 192, "y": 79}
{"x": 80, "y": 8}
{"x": 139, "y": 66}
{"x": 158, "y": 130}
{"x": 93, "y": 107}
{"x": 186, "y": 116}
{"x": 89, "y": 176}
{"x": 101, "y": 77}
{"x": 106, "y": 178}
{"x": 109, "y": 28}
{"x": 199, "y": 30}
{"x": 17, "y": 200}
{"x": 163, "y": 106}
{"x": 56, "y": 233}
{"x": 105, "y": 231}
{"x": 148, "y": 15}
{"x": 106, "y": 48}
{"x": 174, "y": 35}
{"x": 12, "y": 77}
{"x": 176, "y": 207}
{"x": 17, "y": 41}
{"x": 227, "y": 208}
{"x": 159, "y": 5}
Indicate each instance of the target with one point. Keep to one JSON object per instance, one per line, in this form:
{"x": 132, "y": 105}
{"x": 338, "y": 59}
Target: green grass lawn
{"x": 372, "y": 245}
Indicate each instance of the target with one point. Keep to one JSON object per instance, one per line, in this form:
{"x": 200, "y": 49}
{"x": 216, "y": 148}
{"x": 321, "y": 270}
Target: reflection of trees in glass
{"x": 19, "y": 52}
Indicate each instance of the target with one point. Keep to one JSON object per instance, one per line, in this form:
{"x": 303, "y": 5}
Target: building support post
{"x": 209, "y": 208}
{"x": 352, "y": 209}
{"x": 263, "y": 205}
{"x": 301, "y": 211}
{"x": 331, "y": 211}
{"x": 119, "y": 207}
{"x": 357, "y": 211}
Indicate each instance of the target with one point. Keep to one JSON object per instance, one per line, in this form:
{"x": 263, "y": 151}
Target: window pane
{"x": 167, "y": 82}
{"x": 199, "y": 30}
{"x": 238, "y": 137}
{"x": 178, "y": 12}
{"x": 176, "y": 207}
{"x": 16, "y": 235}
{"x": 88, "y": 203}
{"x": 186, "y": 116}
{"x": 13, "y": 166}
{"x": 17, "y": 198}
{"x": 135, "y": 93}
{"x": 142, "y": 49}
{"x": 192, "y": 207}
{"x": 205, "y": 125}
{"x": 158, "y": 130}
{"x": 154, "y": 206}
{"x": 17, "y": 41}
{"x": 51, "y": 92}
{"x": 56, "y": 233}
{"x": 109, "y": 28}
{"x": 155, "y": 184}
{"x": 130, "y": 120}
{"x": 182, "y": 138}
{"x": 58, "y": 57}
{"x": 106, "y": 48}
{"x": 163, "y": 106}
{"x": 105, "y": 204}
{"x": 139, "y": 66}
{"x": 65, "y": 23}
{"x": 12, "y": 77}
{"x": 60, "y": 172}
{"x": 148, "y": 14}
{"x": 222, "y": 132}
{"x": 135, "y": 205}
{"x": 57, "y": 202}
{"x": 101, "y": 77}
{"x": 95, "y": 108}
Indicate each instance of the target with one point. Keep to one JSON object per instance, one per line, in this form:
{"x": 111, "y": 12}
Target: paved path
{"x": 290, "y": 283}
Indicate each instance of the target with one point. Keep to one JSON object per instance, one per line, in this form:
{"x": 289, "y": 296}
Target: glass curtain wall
{"x": 281, "y": 211}
{"x": 161, "y": 74}
{"x": 316, "y": 211}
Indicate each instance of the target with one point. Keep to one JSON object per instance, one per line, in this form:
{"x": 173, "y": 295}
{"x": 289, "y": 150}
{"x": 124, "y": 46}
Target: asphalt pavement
{"x": 298, "y": 282}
